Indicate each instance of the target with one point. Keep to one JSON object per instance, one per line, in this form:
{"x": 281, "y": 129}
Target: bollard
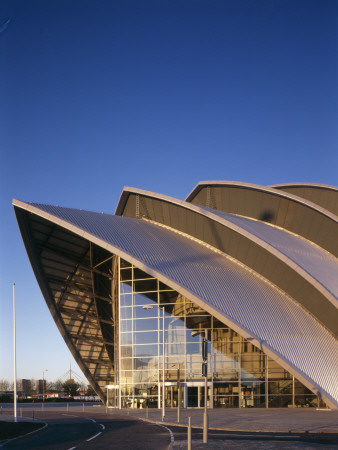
{"x": 178, "y": 404}
{"x": 147, "y": 413}
{"x": 189, "y": 434}
{"x": 67, "y": 406}
{"x": 82, "y": 407}
{"x": 205, "y": 428}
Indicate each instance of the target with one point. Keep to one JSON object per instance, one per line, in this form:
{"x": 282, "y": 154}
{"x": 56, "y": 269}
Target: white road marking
{"x": 103, "y": 427}
{"x": 91, "y": 420}
{"x": 71, "y": 448}
{"x": 93, "y": 437}
{"x": 172, "y": 439}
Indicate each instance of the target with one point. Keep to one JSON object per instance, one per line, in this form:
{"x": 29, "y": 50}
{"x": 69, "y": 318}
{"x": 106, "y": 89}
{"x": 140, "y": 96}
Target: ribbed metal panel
{"x": 318, "y": 263}
{"x": 222, "y": 286}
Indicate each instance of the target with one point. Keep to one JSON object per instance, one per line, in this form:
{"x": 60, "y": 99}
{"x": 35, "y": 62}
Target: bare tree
{"x": 4, "y": 385}
{"x": 33, "y": 386}
{"x": 50, "y": 386}
{"x": 58, "y": 385}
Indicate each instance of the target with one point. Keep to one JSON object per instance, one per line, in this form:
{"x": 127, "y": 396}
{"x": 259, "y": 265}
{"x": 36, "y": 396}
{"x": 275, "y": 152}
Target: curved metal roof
{"x": 320, "y": 194}
{"x": 294, "y": 264}
{"x": 275, "y": 190}
{"x": 234, "y": 294}
{"x": 285, "y": 210}
{"x": 321, "y": 265}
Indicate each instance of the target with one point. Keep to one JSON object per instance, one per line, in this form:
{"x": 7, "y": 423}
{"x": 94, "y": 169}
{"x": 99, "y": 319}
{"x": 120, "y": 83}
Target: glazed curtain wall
{"x": 239, "y": 374}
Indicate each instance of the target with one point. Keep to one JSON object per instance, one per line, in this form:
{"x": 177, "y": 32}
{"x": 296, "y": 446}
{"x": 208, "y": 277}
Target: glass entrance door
{"x": 193, "y": 397}
{"x": 112, "y": 396}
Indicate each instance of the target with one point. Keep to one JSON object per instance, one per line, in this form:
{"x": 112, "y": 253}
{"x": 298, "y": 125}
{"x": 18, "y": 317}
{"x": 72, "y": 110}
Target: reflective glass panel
{"x": 126, "y": 313}
{"x": 242, "y": 375}
{"x": 126, "y": 300}
{"x": 126, "y": 288}
{"x": 126, "y": 325}
{"x": 147, "y": 337}
{"x": 146, "y": 324}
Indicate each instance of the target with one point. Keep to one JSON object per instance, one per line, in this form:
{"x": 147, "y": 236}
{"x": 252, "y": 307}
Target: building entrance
{"x": 193, "y": 397}
{"x": 112, "y": 396}
{"x": 171, "y": 396}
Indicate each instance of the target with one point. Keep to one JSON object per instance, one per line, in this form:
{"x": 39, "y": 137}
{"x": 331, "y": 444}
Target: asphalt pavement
{"x": 228, "y": 428}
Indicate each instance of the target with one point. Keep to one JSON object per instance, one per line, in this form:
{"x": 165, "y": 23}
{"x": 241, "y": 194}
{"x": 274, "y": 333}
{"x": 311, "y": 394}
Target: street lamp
{"x": 14, "y": 355}
{"x": 163, "y": 373}
{"x": 43, "y": 384}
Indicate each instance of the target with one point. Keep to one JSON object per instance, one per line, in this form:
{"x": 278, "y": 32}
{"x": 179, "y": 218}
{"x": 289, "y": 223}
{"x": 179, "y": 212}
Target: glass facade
{"x": 154, "y": 318}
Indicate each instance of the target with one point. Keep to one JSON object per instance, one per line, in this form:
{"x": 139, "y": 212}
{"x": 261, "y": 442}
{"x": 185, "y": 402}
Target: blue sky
{"x": 154, "y": 94}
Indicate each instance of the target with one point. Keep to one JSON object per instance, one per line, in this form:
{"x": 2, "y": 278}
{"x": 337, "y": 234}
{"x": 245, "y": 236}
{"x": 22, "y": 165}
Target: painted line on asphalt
{"x": 71, "y": 448}
{"x": 93, "y": 437}
{"x": 103, "y": 427}
{"x": 91, "y": 419}
{"x": 172, "y": 439}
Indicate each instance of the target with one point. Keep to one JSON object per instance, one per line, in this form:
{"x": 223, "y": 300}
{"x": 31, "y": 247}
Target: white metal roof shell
{"x": 226, "y": 289}
{"x": 316, "y": 265}
{"x": 315, "y": 261}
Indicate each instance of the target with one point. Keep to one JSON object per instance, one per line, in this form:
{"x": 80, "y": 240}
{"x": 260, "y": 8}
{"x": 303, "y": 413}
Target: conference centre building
{"x": 228, "y": 297}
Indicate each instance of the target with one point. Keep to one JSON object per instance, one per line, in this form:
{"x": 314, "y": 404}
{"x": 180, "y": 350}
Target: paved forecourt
{"x": 244, "y": 419}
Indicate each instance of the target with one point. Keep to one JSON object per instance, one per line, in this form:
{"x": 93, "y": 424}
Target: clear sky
{"x": 154, "y": 94}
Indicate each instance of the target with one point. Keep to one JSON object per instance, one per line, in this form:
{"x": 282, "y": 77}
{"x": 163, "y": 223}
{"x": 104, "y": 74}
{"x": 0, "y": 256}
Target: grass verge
{"x": 10, "y": 430}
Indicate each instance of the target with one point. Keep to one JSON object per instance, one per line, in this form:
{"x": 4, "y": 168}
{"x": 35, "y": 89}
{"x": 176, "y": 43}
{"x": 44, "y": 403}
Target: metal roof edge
{"x": 266, "y": 189}
{"x": 305, "y": 185}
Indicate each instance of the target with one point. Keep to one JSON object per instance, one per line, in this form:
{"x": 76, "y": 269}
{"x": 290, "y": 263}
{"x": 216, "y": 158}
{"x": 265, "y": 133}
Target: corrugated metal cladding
{"x": 220, "y": 285}
{"x": 264, "y": 257}
{"x": 322, "y": 266}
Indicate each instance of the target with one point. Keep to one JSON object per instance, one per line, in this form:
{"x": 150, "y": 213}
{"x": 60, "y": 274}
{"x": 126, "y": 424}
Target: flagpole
{"x": 14, "y": 348}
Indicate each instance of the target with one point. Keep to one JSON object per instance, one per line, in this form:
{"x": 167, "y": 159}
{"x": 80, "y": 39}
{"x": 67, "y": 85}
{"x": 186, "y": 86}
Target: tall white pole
{"x": 205, "y": 415}
{"x": 14, "y": 352}
{"x": 163, "y": 372}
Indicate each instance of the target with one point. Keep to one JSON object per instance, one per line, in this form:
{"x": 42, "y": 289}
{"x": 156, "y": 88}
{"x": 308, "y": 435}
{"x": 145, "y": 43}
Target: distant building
{"x": 41, "y": 386}
{"x": 25, "y": 386}
{"x": 251, "y": 268}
